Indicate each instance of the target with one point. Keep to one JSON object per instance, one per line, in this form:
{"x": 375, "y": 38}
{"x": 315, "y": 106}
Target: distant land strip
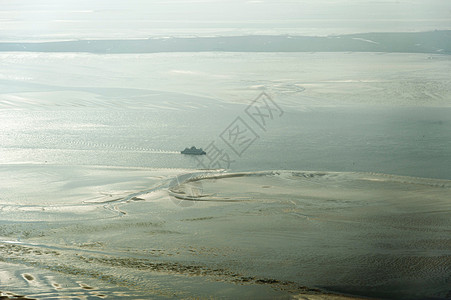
{"x": 438, "y": 42}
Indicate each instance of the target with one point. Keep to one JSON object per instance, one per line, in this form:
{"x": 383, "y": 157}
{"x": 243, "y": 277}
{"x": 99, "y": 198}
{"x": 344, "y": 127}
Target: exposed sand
{"x": 264, "y": 234}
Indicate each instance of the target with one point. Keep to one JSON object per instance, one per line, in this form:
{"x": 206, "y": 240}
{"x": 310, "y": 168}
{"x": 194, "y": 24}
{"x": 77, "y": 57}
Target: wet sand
{"x": 96, "y": 201}
{"x": 274, "y": 234}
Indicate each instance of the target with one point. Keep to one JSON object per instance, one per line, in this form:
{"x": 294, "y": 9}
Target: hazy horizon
{"x": 326, "y": 171}
{"x": 68, "y": 20}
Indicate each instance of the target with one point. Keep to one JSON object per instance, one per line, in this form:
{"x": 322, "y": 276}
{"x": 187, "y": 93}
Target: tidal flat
{"x": 345, "y": 195}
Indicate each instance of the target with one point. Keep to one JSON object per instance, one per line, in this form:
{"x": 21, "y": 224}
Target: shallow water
{"x": 96, "y": 200}
{"x": 262, "y": 233}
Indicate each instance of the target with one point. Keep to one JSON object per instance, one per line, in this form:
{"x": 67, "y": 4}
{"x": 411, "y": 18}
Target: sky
{"x": 40, "y": 20}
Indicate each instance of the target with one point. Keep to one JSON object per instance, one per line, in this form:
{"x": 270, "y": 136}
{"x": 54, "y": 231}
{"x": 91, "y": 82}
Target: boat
{"x": 193, "y": 151}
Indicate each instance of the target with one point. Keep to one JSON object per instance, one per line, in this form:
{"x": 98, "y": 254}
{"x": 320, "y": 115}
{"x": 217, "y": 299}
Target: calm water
{"x": 401, "y": 141}
{"x": 91, "y": 204}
